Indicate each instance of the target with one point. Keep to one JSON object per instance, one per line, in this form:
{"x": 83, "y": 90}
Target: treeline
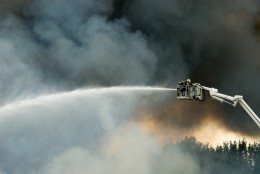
{"x": 236, "y": 157}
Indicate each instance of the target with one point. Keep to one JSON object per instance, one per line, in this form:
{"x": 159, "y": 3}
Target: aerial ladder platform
{"x": 194, "y": 91}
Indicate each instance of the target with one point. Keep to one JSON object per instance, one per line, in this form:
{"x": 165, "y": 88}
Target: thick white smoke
{"x": 84, "y": 131}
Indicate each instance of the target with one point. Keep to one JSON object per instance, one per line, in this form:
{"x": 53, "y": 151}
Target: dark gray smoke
{"x": 13, "y": 6}
{"x": 82, "y": 47}
{"x": 65, "y": 45}
{"x": 212, "y": 42}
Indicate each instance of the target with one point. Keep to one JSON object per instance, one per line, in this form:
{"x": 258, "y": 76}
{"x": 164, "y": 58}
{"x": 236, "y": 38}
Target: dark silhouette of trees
{"x": 230, "y": 158}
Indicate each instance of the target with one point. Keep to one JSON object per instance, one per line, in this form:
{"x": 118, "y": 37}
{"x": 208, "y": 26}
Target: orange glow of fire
{"x": 210, "y": 131}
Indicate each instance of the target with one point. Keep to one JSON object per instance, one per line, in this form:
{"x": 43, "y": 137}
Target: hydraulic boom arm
{"x": 188, "y": 91}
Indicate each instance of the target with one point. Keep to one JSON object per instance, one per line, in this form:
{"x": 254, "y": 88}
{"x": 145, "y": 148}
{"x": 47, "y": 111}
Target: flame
{"x": 164, "y": 134}
{"x": 151, "y": 126}
{"x": 210, "y": 131}
{"x": 214, "y": 133}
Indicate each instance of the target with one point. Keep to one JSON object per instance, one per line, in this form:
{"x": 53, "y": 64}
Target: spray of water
{"x": 81, "y": 92}
{"x": 89, "y": 129}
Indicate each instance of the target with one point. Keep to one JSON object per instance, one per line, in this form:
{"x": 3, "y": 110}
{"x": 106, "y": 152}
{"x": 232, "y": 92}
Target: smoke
{"x": 84, "y": 48}
{"x": 52, "y": 46}
{"x": 17, "y": 50}
{"x": 13, "y": 6}
{"x": 214, "y": 43}
{"x": 65, "y": 48}
{"x": 82, "y": 132}
{"x": 141, "y": 149}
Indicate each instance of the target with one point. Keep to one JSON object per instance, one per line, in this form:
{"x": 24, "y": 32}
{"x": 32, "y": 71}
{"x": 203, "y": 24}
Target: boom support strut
{"x": 194, "y": 91}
